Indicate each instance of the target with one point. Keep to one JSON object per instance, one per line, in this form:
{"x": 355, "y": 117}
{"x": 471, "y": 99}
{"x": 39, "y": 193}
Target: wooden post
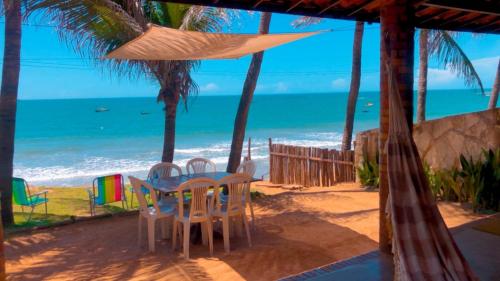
{"x": 397, "y": 49}
{"x": 270, "y": 160}
{"x": 249, "y": 156}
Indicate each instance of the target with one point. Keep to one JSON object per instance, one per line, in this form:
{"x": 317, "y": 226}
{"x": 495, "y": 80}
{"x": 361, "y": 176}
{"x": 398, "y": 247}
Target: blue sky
{"x": 51, "y": 69}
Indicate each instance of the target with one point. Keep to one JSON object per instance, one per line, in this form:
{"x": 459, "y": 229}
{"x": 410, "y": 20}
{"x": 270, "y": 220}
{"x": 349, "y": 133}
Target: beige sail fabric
{"x": 162, "y": 43}
{"x": 423, "y": 247}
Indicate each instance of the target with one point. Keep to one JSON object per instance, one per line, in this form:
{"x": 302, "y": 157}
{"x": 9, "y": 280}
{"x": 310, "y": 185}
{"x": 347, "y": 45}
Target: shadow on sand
{"x": 287, "y": 240}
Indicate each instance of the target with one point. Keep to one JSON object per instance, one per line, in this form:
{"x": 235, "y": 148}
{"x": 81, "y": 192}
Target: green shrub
{"x": 444, "y": 184}
{"x": 481, "y": 180}
{"x": 368, "y": 173}
{"x": 477, "y": 182}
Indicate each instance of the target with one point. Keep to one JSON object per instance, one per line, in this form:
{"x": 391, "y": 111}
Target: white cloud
{"x": 439, "y": 76}
{"x": 210, "y": 87}
{"x": 281, "y": 87}
{"x": 339, "y": 83}
{"x": 444, "y": 78}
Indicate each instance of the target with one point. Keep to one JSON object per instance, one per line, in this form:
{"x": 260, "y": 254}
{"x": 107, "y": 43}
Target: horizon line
{"x": 257, "y": 94}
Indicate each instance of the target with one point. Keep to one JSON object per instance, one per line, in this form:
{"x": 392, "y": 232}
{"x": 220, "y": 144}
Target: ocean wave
{"x": 72, "y": 170}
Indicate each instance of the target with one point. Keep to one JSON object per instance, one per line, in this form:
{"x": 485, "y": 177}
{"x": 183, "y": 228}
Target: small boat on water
{"x": 101, "y": 109}
{"x": 369, "y": 104}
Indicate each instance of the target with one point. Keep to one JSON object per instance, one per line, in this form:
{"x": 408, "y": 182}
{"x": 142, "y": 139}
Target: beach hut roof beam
{"x": 428, "y": 14}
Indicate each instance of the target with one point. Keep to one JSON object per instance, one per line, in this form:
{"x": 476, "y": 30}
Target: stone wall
{"x": 440, "y": 142}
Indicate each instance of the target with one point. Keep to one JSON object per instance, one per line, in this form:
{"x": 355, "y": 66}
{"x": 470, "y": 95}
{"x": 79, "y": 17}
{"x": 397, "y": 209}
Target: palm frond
{"x": 93, "y": 28}
{"x": 302, "y": 22}
{"x": 208, "y": 19}
{"x": 450, "y": 55}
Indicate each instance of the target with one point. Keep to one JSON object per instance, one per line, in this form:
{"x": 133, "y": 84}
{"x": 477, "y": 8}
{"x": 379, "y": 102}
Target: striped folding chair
{"x": 105, "y": 190}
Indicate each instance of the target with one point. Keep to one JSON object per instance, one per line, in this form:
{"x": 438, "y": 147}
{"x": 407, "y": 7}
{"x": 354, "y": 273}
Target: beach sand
{"x": 295, "y": 231}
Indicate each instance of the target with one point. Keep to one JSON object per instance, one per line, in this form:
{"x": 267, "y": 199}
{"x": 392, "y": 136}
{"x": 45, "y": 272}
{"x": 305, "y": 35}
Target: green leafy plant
{"x": 488, "y": 194}
{"x": 475, "y": 181}
{"x": 444, "y": 184}
{"x": 368, "y": 173}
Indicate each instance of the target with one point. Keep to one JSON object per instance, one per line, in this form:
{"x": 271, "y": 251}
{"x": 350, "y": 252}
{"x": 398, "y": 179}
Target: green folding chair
{"x": 22, "y": 196}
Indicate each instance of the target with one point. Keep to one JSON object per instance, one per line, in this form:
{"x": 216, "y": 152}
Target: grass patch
{"x": 64, "y": 203}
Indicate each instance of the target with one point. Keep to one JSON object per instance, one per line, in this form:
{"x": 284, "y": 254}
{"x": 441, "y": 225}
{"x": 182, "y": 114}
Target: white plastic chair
{"x": 200, "y": 165}
{"x": 158, "y": 171}
{"x": 200, "y": 205}
{"x": 151, "y": 214}
{"x": 248, "y": 167}
{"x": 163, "y": 170}
{"x": 232, "y": 206}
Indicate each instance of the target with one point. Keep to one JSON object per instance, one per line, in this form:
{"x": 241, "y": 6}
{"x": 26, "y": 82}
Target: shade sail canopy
{"x": 162, "y": 43}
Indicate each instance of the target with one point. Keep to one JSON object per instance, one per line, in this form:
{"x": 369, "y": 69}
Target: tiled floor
{"x": 481, "y": 249}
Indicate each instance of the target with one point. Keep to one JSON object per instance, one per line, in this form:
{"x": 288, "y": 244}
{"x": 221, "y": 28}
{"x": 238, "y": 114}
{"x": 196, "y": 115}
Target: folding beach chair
{"x": 109, "y": 189}
{"x": 22, "y": 196}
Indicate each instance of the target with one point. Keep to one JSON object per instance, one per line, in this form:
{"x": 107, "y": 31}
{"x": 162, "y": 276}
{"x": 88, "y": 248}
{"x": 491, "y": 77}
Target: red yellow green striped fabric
{"x": 109, "y": 189}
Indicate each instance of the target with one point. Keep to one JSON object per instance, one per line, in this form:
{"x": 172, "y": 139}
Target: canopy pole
{"x": 397, "y": 48}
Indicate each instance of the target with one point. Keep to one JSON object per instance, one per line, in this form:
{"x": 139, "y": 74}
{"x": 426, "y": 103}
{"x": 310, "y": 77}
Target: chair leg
{"x": 185, "y": 247}
{"x": 139, "y": 231}
{"x": 247, "y": 229}
{"x": 174, "y": 235}
{"x": 251, "y": 212}
{"x": 225, "y": 232}
{"x": 151, "y": 235}
{"x": 210, "y": 236}
{"x": 31, "y": 213}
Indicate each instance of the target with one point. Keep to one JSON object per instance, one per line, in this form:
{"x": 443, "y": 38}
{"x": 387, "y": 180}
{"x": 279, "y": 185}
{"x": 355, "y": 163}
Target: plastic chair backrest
{"x": 237, "y": 185}
{"x": 247, "y": 167}
{"x": 198, "y": 205}
{"x": 138, "y": 186}
{"x": 163, "y": 170}
{"x": 199, "y": 165}
{"x": 20, "y": 192}
{"x": 109, "y": 189}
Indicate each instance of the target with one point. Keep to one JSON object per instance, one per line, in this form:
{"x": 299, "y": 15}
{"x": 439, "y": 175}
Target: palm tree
{"x": 240, "y": 121}
{"x": 354, "y": 87}
{"x": 96, "y": 27}
{"x": 8, "y": 103}
{"x": 443, "y": 45}
{"x": 352, "y": 99}
{"x": 494, "y": 91}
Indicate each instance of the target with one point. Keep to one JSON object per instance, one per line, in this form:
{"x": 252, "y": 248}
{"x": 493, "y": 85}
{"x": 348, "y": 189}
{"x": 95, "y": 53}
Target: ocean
{"x": 68, "y": 143}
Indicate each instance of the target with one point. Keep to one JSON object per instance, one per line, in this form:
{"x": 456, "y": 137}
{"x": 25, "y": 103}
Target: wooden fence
{"x": 309, "y": 166}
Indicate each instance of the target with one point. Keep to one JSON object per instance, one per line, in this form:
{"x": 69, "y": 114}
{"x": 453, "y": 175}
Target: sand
{"x": 295, "y": 231}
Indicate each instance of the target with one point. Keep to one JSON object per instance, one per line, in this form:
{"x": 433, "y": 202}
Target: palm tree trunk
{"x": 8, "y": 103}
{"x": 422, "y": 74}
{"x": 496, "y": 87}
{"x": 240, "y": 121}
{"x": 171, "y": 100}
{"x": 354, "y": 88}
